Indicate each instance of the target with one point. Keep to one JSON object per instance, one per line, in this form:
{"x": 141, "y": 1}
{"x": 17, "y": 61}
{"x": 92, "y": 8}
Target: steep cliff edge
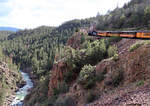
{"x": 9, "y": 82}
{"x": 92, "y": 69}
{"x": 126, "y": 75}
{"x": 134, "y": 87}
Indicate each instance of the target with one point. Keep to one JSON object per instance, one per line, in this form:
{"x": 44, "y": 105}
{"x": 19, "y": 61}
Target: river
{"x": 22, "y": 92}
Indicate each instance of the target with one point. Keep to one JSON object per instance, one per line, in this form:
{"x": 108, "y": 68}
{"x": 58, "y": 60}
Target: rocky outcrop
{"x": 9, "y": 80}
{"x": 56, "y": 75}
{"x": 136, "y": 67}
{"x": 75, "y": 41}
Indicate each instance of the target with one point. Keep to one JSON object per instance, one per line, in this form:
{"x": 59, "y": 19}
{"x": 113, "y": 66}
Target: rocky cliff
{"x": 89, "y": 75}
{"x": 128, "y": 73}
{"x": 10, "y": 80}
{"x": 135, "y": 83}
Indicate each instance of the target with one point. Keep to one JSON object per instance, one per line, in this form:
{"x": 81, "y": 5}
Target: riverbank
{"x": 31, "y": 75}
{"x": 19, "y": 96}
{"x": 11, "y": 96}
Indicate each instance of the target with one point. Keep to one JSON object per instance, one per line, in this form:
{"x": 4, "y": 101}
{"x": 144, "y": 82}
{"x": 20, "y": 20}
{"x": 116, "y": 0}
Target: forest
{"x": 40, "y": 48}
{"x": 37, "y": 48}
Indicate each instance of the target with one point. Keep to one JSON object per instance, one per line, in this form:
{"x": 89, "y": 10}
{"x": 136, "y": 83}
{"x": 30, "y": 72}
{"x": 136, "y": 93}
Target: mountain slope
{"x": 10, "y": 79}
{"x": 35, "y": 49}
{"x": 85, "y": 68}
{"x": 88, "y": 69}
{"x": 4, "y": 35}
{"x": 133, "y": 16}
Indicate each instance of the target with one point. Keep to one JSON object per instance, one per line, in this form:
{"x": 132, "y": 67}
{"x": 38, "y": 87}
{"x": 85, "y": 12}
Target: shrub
{"x": 96, "y": 51}
{"x": 51, "y": 101}
{"x": 114, "y": 39}
{"x": 69, "y": 76}
{"x": 89, "y": 84}
{"x": 90, "y": 97}
{"x": 65, "y": 101}
{"x": 82, "y": 38}
{"x": 76, "y": 59}
{"x": 87, "y": 77}
{"x": 62, "y": 87}
{"x": 116, "y": 79}
{"x": 139, "y": 83}
{"x": 147, "y": 42}
{"x": 112, "y": 50}
{"x": 86, "y": 73}
{"x": 135, "y": 46}
{"x": 115, "y": 57}
{"x": 100, "y": 76}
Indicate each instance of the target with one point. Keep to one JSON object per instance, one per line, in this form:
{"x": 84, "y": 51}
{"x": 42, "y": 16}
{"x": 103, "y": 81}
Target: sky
{"x": 33, "y": 13}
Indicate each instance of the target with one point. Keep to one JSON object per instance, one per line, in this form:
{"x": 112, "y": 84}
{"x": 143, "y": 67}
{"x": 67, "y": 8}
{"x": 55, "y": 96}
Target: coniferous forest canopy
{"x": 37, "y": 48}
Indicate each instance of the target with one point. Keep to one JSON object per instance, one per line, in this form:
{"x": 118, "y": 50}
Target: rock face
{"x": 57, "y": 75}
{"x": 75, "y": 41}
{"x": 136, "y": 67}
{"x": 9, "y": 80}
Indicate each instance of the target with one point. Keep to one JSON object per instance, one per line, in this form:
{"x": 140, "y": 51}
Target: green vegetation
{"x": 37, "y": 48}
{"x": 91, "y": 53}
{"x": 140, "y": 83}
{"x": 2, "y": 96}
{"x": 14, "y": 78}
{"x": 116, "y": 78}
{"x": 39, "y": 93}
{"x": 114, "y": 39}
{"x": 86, "y": 76}
{"x": 112, "y": 50}
{"x": 65, "y": 101}
{"x": 115, "y": 57}
{"x": 86, "y": 72}
{"x": 134, "y": 15}
{"x": 135, "y": 46}
{"x": 90, "y": 96}
{"x": 61, "y": 88}
{"x": 4, "y": 35}
{"x": 100, "y": 76}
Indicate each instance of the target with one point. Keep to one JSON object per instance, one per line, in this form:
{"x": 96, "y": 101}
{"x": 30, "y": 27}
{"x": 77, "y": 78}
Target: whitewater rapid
{"x": 22, "y": 92}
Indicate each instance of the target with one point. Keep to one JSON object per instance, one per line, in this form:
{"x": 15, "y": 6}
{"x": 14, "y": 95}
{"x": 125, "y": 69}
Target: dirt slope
{"x": 134, "y": 89}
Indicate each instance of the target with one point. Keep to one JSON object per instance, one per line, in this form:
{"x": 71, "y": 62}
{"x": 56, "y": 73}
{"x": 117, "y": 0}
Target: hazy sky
{"x": 33, "y": 13}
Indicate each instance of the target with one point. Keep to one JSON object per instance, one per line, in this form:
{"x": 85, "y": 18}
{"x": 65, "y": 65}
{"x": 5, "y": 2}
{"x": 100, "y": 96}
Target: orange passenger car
{"x": 124, "y": 34}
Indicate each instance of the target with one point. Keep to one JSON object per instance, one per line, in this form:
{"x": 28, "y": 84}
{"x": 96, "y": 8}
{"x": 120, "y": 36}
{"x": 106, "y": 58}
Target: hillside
{"x": 134, "y": 15}
{"x": 135, "y": 84}
{"x": 89, "y": 69}
{"x": 70, "y": 68}
{"x": 10, "y": 79}
{"x": 4, "y": 35}
{"x": 33, "y": 50}
{"x": 95, "y": 70}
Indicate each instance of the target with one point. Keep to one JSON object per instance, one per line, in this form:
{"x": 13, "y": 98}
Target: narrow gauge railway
{"x": 124, "y": 34}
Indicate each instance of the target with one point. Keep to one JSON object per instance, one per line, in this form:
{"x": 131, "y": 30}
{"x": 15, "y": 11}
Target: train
{"x": 123, "y": 34}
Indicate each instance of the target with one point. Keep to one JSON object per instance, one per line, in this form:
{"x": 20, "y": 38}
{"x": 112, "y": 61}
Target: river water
{"x": 22, "y": 92}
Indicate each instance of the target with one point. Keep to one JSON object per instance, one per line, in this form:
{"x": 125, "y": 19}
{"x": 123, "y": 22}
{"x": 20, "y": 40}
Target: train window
{"x": 146, "y": 34}
{"x": 94, "y": 33}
